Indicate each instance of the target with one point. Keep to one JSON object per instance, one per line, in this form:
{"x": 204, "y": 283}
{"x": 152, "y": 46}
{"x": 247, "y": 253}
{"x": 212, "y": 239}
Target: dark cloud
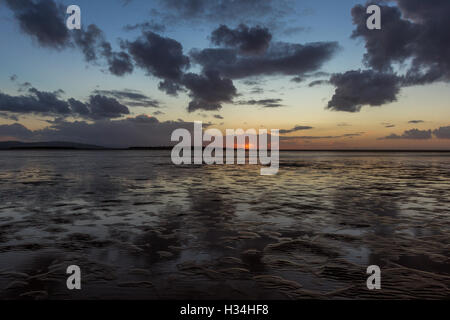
{"x": 414, "y": 134}
{"x": 170, "y": 87}
{"x": 93, "y": 44}
{"x": 102, "y": 107}
{"x": 318, "y": 83}
{"x": 317, "y": 74}
{"x": 294, "y": 129}
{"x": 223, "y": 10}
{"x": 146, "y": 26}
{"x": 294, "y": 30}
{"x": 348, "y": 135}
{"x": 51, "y": 104}
{"x": 266, "y": 103}
{"x": 388, "y": 44}
{"x": 143, "y": 119}
{"x": 119, "y": 63}
{"x": 130, "y": 97}
{"x": 43, "y": 20}
{"x": 415, "y": 35}
{"x": 139, "y": 131}
{"x": 163, "y": 57}
{"x": 159, "y": 56}
{"x": 15, "y": 130}
{"x": 89, "y": 41}
{"x": 13, "y": 77}
{"x": 355, "y": 89}
{"x": 351, "y": 135}
{"x": 280, "y": 59}
{"x": 8, "y": 116}
{"x": 79, "y": 108}
{"x": 252, "y": 82}
{"x": 203, "y": 115}
{"x": 208, "y": 90}
{"x": 247, "y": 40}
{"x": 442, "y": 132}
{"x": 257, "y": 90}
{"x": 39, "y": 102}
{"x": 298, "y": 79}
{"x": 24, "y": 86}
{"x": 416, "y": 121}
{"x": 414, "y": 32}
{"x": 218, "y": 116}
{"x": 203, "y": 105}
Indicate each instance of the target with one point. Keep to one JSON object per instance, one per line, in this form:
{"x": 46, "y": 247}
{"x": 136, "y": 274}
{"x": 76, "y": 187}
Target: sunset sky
{"x": 140, "y": 69}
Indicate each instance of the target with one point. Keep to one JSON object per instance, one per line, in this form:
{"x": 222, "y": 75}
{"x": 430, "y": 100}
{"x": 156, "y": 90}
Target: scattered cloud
{"x": 413, "y": 36}
{"x": 249, "y": 41}
{"x": 42, "y": 20}
{"x": 208, "y": 90}
{"x": 416, "y": 121}
{"x": 266, "y": 103}
{"x": 146, "y": 26}
{"x": 294, "y": 129}
{"x": 348, "y": 135}
{"x": 223, "y": 11}
{"x": 414, "y": 33}
{"x": 298, "y": 79}
{"x": 294, "y": 30}
{"x": 15, "y": 130}
{"x": 355, "y": 89}
{"x": 51, "y": 104}
{"x": 8, "y": 116}
{"x": 442, "y": 132}
{"x": 138, "y": 131}
{"x": 281, "y": 58}
{"x": 159, "y": 56}
{"x": 317, "y": 83}
{"x": 414, "y": 134}
{"x": 132, "y": 98}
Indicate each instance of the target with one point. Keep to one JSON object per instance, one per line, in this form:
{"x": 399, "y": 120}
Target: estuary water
{"x": 140, "y": 227}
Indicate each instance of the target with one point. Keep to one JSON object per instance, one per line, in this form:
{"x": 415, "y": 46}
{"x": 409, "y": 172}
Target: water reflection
{"x": 140, "y": 227}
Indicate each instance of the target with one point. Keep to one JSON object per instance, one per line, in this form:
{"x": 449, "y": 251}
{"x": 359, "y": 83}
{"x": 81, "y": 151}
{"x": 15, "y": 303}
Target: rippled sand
{"x": 142, "y": 228}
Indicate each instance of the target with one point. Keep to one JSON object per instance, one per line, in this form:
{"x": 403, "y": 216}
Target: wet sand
{"x": 141, "y": 228}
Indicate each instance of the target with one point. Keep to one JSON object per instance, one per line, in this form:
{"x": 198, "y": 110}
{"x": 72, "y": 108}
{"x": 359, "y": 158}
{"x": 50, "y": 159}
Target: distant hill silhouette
{"x": 18, "y": 145}
{"x": 65, "y": 145}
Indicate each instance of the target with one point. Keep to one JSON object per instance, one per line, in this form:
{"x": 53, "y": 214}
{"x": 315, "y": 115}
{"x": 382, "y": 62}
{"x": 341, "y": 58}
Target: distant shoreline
{"x": 73, "y": 146}
{"x": 170, "y": 148}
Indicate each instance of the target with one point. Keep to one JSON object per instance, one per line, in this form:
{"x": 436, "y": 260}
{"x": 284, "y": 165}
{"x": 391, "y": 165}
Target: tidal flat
{"x": 140, "y": 227}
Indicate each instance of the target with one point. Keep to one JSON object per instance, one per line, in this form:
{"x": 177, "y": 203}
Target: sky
{"x": 137, "y": 70}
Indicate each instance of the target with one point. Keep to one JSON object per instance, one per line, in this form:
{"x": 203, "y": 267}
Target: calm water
{"x": 140, "y": 227}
